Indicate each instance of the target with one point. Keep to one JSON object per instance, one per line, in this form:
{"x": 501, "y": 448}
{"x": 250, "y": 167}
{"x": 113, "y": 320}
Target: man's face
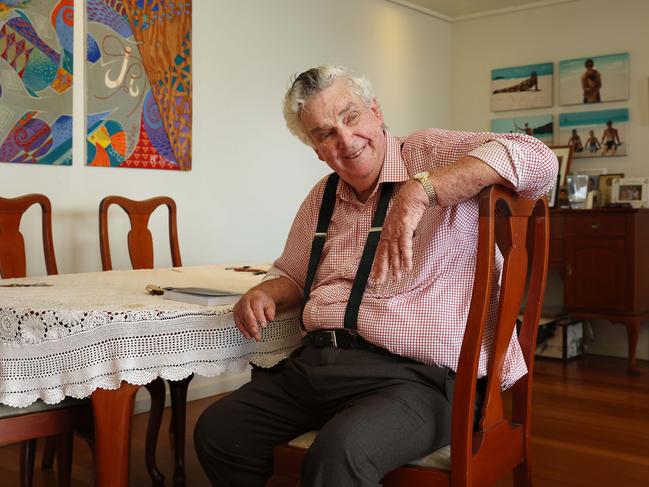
{"x": 347, "y": 135}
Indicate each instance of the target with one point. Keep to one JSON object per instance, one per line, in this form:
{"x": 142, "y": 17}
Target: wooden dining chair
{"x": 38, "y": 420}
{"x": 140, "y": 247}
{"x": 13, "y": 261}
{"x": 501, "y": 443}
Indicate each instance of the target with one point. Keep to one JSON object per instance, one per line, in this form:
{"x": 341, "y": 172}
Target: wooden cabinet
{"x": 603, "y": 257}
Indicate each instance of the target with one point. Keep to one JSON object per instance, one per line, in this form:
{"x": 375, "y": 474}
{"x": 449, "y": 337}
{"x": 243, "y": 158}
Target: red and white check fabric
{"x": 423, "y": 315}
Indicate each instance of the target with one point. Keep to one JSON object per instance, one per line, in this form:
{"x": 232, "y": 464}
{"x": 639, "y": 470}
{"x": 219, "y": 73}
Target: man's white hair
{"x": 312, "y": 82}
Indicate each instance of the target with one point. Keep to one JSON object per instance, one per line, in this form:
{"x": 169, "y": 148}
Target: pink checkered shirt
{"x": 423, "y": 315}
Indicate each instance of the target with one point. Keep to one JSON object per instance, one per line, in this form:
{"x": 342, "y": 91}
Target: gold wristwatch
{"x": 424, "y": 180}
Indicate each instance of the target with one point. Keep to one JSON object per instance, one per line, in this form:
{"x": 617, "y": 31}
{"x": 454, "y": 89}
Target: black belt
{"x": 340, "y": 338}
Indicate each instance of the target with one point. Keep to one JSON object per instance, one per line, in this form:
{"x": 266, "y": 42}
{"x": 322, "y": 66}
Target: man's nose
{"x": 345, "y": 137}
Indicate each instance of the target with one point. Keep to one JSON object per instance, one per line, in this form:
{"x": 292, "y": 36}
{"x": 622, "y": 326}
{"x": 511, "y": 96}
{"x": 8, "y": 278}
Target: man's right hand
{"x": 253, "y": 311}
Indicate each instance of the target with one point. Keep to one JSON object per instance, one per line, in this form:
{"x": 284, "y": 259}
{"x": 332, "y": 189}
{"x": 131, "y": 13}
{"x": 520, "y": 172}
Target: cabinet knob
{"x": 569, "y": 270}
{"x": 595, "y": 226}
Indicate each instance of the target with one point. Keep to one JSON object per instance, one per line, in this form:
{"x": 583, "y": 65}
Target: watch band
{"x": 424, "y": 179}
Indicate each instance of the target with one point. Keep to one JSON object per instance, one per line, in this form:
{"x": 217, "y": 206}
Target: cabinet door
{"x": 597, "y": 277}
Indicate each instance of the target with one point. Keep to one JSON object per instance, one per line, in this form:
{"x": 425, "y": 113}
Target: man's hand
{"x": 253, "y": 311}
{"x": 259, "y": 305}
{"x": 394, "y": 252}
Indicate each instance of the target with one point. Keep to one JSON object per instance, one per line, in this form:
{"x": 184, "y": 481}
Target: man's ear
{"x": 376, "y": 110}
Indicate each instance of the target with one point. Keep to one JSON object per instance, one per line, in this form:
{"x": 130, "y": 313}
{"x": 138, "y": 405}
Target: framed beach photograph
{"x": 522, "y": 87}
{"x": 605, "y": 187}
{"x": 595, "y": 134}
{"x": 539, "y": 126}
{"x": 594, "y": 79}
{"x": 634, "y": 191}
{"x": 564, "y": 156}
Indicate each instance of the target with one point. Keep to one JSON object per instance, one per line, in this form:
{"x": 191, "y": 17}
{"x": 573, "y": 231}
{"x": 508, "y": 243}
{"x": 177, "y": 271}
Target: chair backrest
{"x": 140, "y": 240}
{"x": 520, "y": 229}
{"x": 13, "y": 262}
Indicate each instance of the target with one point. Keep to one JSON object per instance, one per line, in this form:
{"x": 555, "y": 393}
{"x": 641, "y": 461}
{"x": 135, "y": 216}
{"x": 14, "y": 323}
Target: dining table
{"x": 102, "y": 335}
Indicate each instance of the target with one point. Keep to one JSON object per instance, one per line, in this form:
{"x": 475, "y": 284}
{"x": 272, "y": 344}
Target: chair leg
{"x": 48, "y": 453}
{"x": 64, "y": 445}
{"x": 90, "y": 441}
{"x": 27, "y": 455}
{"x": 523, "y": 475}
{"x": 178, "y": 391}
{"x": 157, "y": 391}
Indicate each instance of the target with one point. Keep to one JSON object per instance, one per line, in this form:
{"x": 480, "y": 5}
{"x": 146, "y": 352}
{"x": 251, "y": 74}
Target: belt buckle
{"x": 332, "y": 335}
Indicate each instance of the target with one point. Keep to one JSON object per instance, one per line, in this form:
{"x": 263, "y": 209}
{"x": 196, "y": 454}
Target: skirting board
{"x": 199, "y": 388}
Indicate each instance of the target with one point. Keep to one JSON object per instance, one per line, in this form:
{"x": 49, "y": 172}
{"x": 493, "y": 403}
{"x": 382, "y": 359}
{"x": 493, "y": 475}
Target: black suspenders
{"x": 367, "y": 258}
{"x": 324, "y": 217}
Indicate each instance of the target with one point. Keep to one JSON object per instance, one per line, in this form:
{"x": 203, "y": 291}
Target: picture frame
{"x": 634, "y": 191}
{"x": 522, "y": 87}
{"x": 564, "y": 156}
{"x": 594, "y": 79}
{"x": 539, "y": 126}
{"x": 605, "y": 187}
{"x": 553, "y": 193}
{"x": 596, "y": 133}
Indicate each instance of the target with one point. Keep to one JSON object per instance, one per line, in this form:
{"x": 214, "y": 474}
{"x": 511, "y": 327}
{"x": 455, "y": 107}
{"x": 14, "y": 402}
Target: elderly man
{"x": 383, "y": 332}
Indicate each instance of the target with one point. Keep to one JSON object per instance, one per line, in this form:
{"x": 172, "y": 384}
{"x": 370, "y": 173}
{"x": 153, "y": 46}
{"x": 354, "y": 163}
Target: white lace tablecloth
{"x": 94, "y": 330}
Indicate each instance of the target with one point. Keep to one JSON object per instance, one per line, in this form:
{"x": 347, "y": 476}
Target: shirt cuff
{"x": 497, "y": 154}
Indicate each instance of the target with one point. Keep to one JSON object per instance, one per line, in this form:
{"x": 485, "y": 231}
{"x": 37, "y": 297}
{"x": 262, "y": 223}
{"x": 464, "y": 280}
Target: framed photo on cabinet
{"x": 634, "y": 191}
{"x": 564, "y": 156}
{"x": 606, "y": 186}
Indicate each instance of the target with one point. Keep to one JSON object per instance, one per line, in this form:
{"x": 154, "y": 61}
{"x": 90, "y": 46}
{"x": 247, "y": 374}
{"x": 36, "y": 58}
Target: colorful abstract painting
{"x": 36, "y": 81}
{"x": 139, "y": 84}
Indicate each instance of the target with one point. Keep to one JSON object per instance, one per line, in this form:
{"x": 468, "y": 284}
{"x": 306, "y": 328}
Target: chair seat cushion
{"x": 440, "y": 458}
{"x": 40, "y": 406}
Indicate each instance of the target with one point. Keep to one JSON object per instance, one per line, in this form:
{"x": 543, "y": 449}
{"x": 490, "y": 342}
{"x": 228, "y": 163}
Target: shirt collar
{"x": 393, "y": 171}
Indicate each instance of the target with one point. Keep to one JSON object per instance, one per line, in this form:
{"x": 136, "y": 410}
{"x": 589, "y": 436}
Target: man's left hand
{"x": 394, "y": 252}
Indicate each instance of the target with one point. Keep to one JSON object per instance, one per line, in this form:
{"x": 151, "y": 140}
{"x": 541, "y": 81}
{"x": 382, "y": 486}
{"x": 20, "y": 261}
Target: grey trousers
{"x": 374, "y": 411}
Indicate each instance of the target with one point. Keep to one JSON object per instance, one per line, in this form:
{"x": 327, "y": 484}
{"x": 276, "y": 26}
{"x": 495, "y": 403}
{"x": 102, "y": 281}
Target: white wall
{"x": 249, "y": 174}
{"x": 550, "y": 34}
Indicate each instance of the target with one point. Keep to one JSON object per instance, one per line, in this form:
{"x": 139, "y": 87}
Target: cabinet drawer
{"x": 594, "y": 225}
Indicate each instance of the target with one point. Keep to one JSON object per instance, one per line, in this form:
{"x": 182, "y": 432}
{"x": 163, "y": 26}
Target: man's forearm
{"x": 463, "y": 180}
{"x": 284, "y": 292}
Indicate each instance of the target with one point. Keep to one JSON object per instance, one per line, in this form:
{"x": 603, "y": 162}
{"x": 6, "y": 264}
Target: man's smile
{"x": 355, "y": 154}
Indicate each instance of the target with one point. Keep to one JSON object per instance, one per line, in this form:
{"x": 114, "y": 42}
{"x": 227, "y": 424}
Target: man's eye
{"x": 325, "y": 136}
{"x": 353, "y": 117}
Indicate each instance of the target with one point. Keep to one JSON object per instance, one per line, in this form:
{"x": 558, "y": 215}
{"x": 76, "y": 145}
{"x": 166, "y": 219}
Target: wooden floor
{"x": 591, "y": 428}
